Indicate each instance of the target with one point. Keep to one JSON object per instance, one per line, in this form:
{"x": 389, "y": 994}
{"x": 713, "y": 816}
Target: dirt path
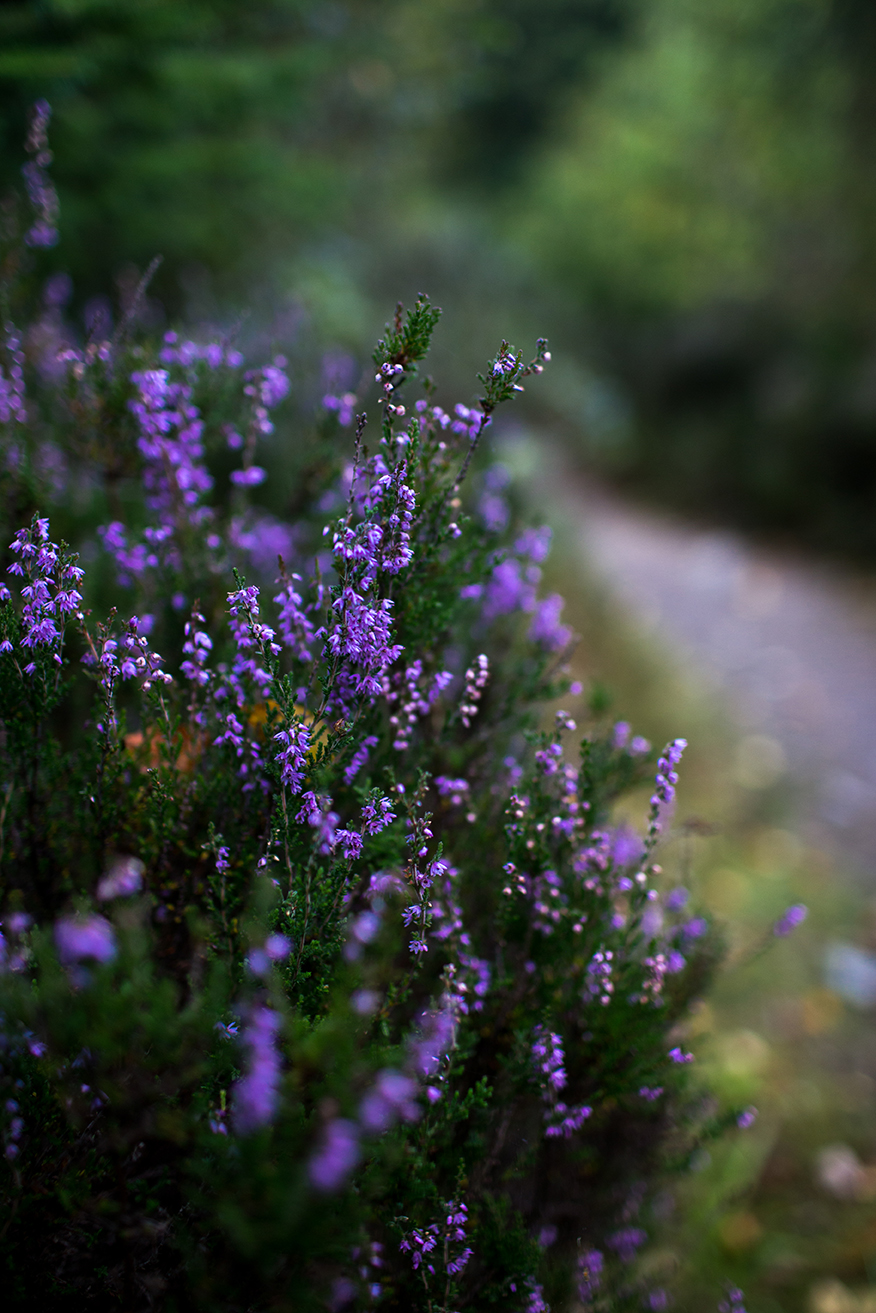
{"x": 790, "y": 642}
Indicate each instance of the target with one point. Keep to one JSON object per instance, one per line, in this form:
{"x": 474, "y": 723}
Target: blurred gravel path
{"x": 789, "y": 641}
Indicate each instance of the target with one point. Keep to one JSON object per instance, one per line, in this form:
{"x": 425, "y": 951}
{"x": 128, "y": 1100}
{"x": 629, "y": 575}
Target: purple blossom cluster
{"x": 636, "y": 746}
{"x": 361, "y": 641}
{"x": 789, "y": 920}
{"x": 598, "y": 983}
{"x": 546, "y": 629}
{"x": 359, "y": 758}
{"x": 475, "y": 682}
{"x": 122, "y": 879}
{"x": 127, "y": 657}
{"x": 170, "y": 442}
{"x": 84, "y": 938}
{"x": 664, "y": 792}
{"x": 188, "y": 353}
{"x": 50, "y": 593}
{"x": 548, "y": 1057}
{"x": 561, "y": 1121}
{"x": 13, "y": 1130}
{"x": 443, "y": 1243}
{"x": 412, "y": 701}
{"x": 627, "y": 1242}
{"x": 257, "y": 1093}
{"x": 14, "y": 952}
{"x": 513, "y": 582}
{"x": 12, "y": 402}
{"x": 295, "y": 623}
{"x": 344, "y": 406}
{"x": 418, "y": 915}
{"x": 336, "y": 1156}
{"x": 535, "y": 1300}
{"x": 589, "y": 1274}
{"x": 455, "y": 791}
{"x": 40, "y": 188}
{"x": 292, "y": 757}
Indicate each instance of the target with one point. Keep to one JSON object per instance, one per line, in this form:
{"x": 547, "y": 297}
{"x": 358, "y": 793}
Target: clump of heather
{"x": 326, "y": 979}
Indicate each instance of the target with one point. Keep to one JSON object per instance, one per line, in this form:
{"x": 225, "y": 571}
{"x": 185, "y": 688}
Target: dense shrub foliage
{"x": 326, "y": 978}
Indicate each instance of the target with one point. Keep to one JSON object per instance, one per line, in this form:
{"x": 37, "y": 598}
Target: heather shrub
{"x": 327, "y": 978}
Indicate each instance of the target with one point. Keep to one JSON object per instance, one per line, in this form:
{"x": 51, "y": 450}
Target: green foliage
{"x": 708, "y": 206}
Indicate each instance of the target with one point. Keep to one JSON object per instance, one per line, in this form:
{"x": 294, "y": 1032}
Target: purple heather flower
{"x": 256, "y": 1094}
{"x": 364, "y": 1002}
{"x": 547, "y": 1054}
{"x": 650, "y": 1093}
{"x": 50, "y": 594}
{"x": 563, "y": 1121}
{"x": 432, "y": 1040}
{"x": 626, "y": 846}
{"x": 363, "y": 929}
{"x": 535, "y": 1300}
{"x": 620, "y": 735}
{"x": 667, "y": 776}
{"x": 292, "y": 757}
{"x": 747, "y": 1118}
{"x": 589, "y": 1274}
{"x": 494, "y": 511}
{"x": 335, "y": 1157}
{"x": 317, "y": 811}
{"x": 359, "y": 758}
{"x": 454, "y": 790}
{"x": 790, "y": 919}
{"x": 392, "y": 1098}
{"x": 361, "y": 636}
{"x": 695, "y": 929}
{"x": 40, "y": 189}
{"x": 508, "y": 590}
{"x": 676, "y": 900}
{"x": 78, "y": 938}
{"x": 345, "y": 405}
{"x": 419, "y": 1244}
{"x": 124, "y": 877}
{"x": 626, "y": 1242}
{"x": 658, "y": 1299}
{"x": 535, "y": 544}
{"x": 12, "y": 402}
{"x": 294, "y": 624}
{"x": 437, "y": 1239}
{"x": 250, "y": 477}
{"x": 734, "y": 1301}
{"x": 546, "y": 629}
{"x": 343, "y": 1293}
{"x": 278, "y": 947}
{"x": 376, "y": 815}
{"x": 679, "y": 1055}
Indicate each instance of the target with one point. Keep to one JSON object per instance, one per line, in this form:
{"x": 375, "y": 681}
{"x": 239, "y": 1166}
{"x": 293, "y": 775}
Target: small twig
{"x": 136, "y": 301}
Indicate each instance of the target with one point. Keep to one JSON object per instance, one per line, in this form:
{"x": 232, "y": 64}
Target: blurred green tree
{"x": 205, "y": 130}
{"x": 519, "y": 63}
{"x": 710, "y": 208}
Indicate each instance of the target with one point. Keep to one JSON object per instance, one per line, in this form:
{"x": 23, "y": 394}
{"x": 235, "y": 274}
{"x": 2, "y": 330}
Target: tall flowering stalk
{"x": 50, "y": 596}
